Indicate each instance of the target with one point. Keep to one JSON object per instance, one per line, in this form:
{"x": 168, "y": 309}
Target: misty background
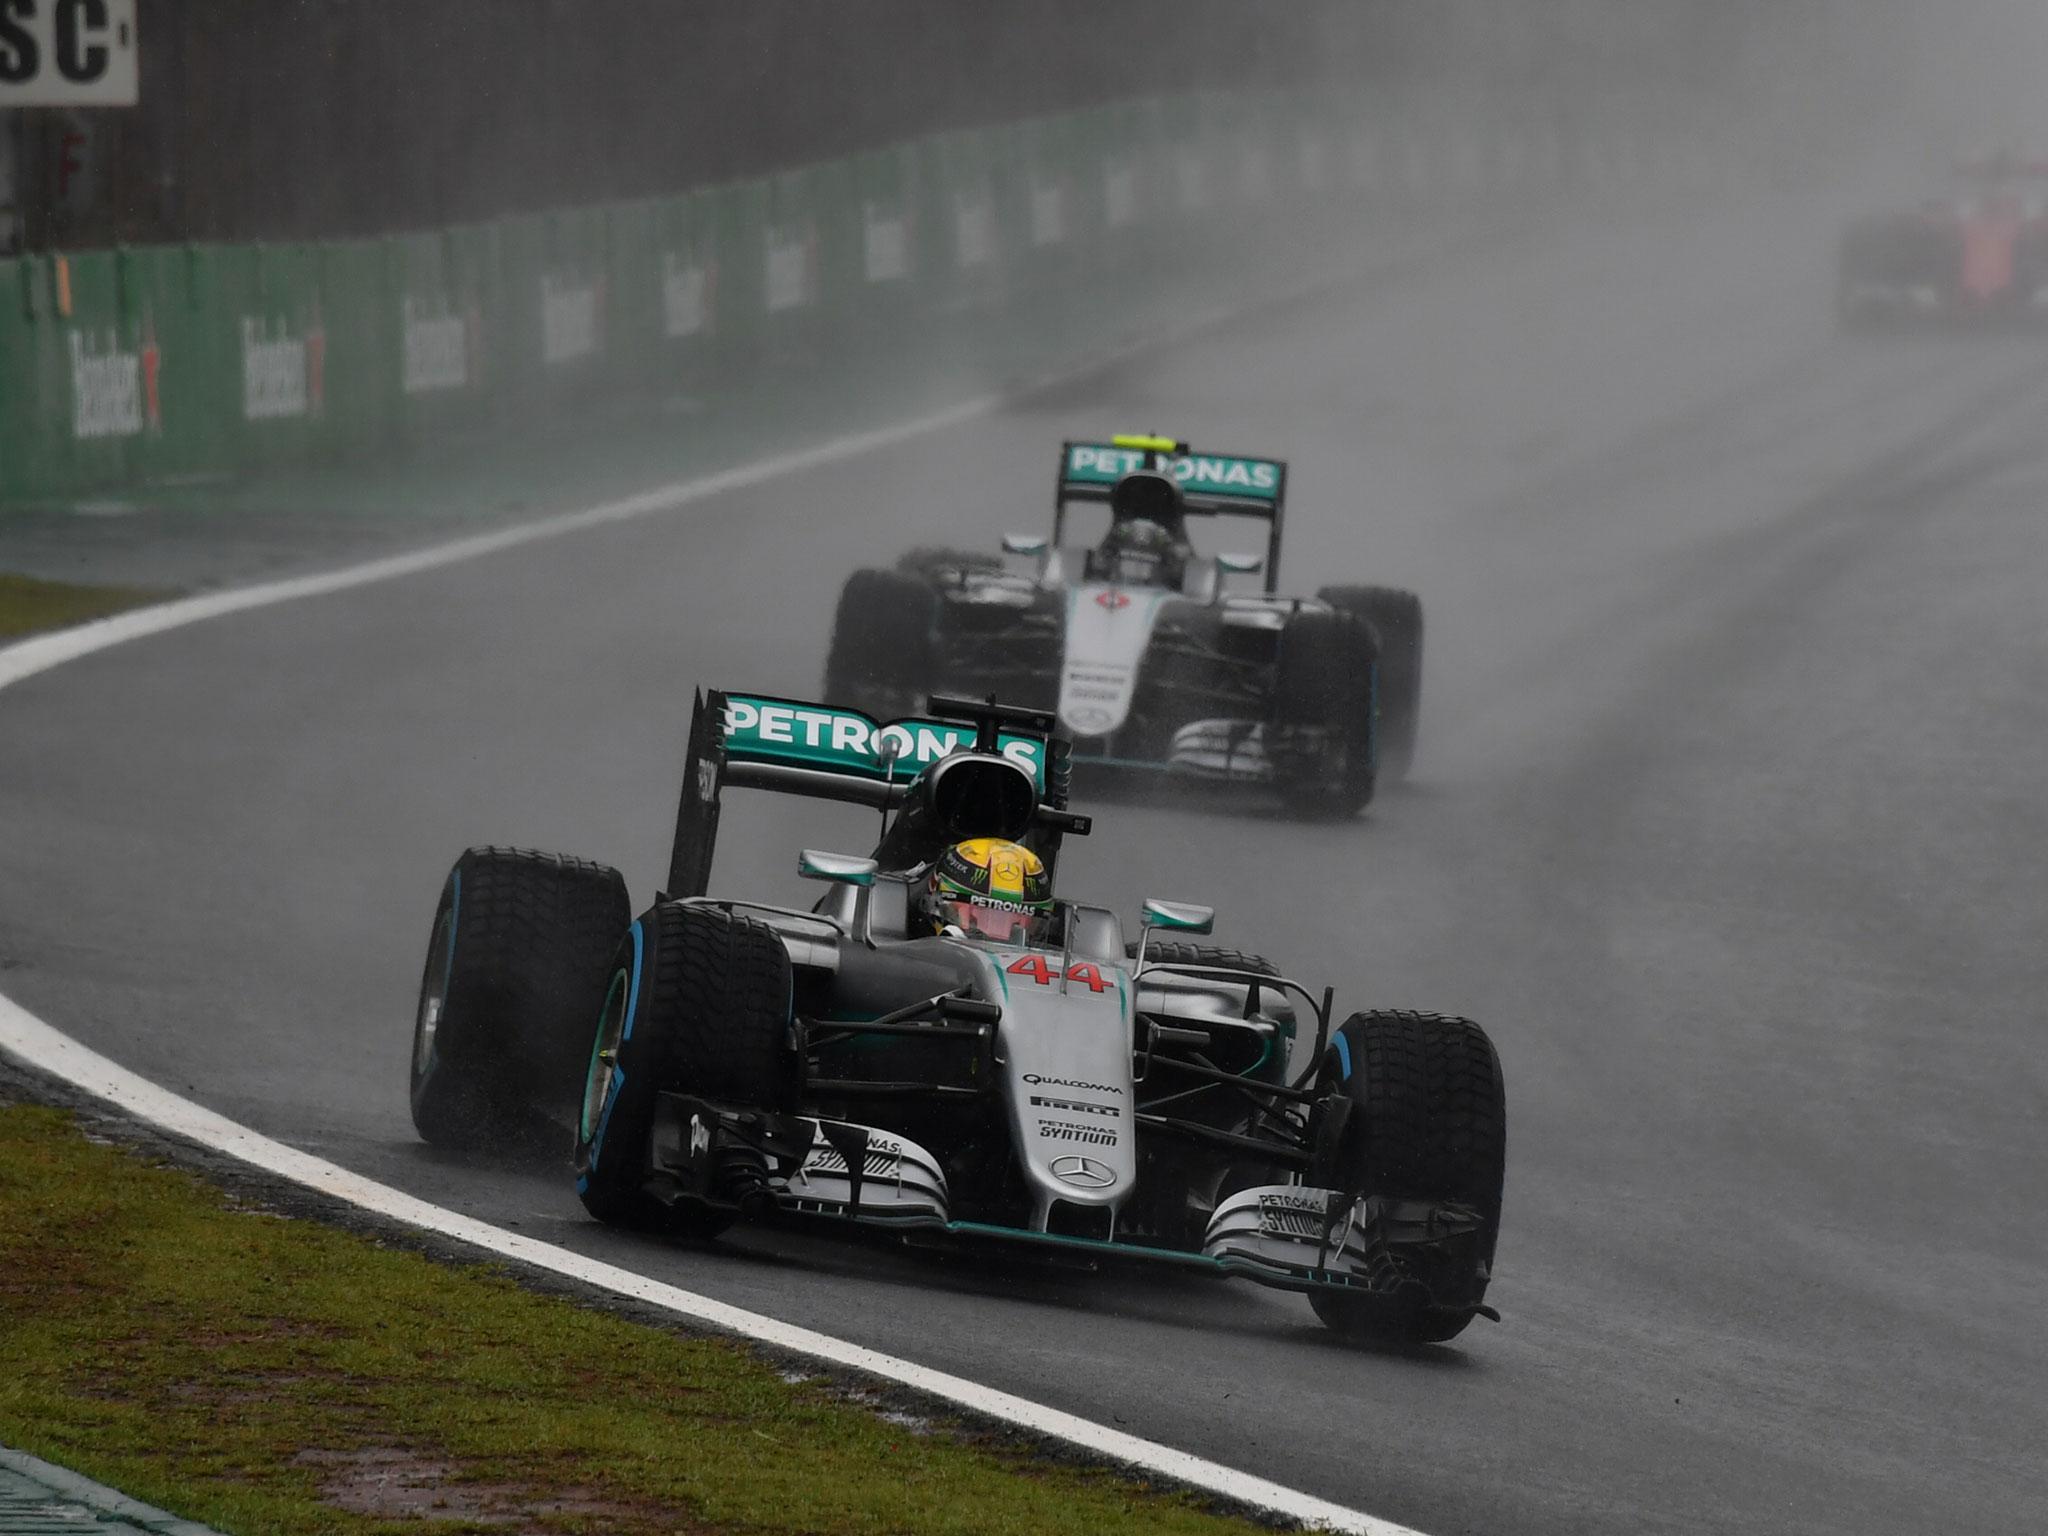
{"x": 297, "y": 119}
{"x": 1727, "y": 820}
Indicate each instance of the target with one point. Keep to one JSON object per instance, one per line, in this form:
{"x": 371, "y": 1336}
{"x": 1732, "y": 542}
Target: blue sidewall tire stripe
{"x": 618, "y": 1071}
{"x": 1343, "y": 1056}
{"x": 454, "y": 924}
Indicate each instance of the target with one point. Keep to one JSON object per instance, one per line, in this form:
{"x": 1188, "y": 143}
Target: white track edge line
{"x": 25, "y": 1036}
{"x": 48, "y": 1049}
{"x": 25, "y": 658}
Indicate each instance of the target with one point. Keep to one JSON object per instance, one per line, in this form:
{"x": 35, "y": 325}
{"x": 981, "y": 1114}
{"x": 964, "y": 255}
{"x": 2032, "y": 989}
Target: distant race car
{"x": 1135, "y": 644}
{"x": 944, "y": 1049}
{"x": 1979, "y": 253}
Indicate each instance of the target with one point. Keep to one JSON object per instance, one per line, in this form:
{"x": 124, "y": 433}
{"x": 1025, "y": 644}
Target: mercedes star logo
{"x": 1085, "y": 1171}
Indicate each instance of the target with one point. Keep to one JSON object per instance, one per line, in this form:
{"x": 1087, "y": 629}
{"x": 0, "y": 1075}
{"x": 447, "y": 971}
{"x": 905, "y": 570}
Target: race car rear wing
{"x": 1213, "y": 484}
{"x": 756, "y": 741}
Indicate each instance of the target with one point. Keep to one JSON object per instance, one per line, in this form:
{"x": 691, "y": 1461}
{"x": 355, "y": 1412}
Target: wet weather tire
{"x": 1324, "y": 690}
{"x": 1206, "y": 954}
{"x": 697, "y": 1002}
{"x": 1426, "y": 1120}
{"x": 515, "y": 972}
{"x": 1396, "y": 619}
{"x": 882, "y": 654}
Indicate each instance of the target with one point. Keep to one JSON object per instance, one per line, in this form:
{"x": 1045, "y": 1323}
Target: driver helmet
{"x": 1138, "y": 552}
{"x": 990, "y": 888}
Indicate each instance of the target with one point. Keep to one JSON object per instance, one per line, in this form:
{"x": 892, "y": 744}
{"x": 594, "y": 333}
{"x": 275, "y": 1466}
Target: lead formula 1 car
{"x": 993, "y": 1072}
{"x": 1977, "y": 254}
{"x": 1148, "y": 660}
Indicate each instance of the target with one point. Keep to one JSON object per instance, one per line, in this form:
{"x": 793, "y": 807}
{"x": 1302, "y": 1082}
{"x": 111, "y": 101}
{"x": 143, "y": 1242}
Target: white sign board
{"x": 67, "y": 53}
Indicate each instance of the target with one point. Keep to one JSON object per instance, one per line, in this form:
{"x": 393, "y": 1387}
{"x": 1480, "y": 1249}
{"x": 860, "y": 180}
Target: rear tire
{"x": 697, "y": 1002}
{"x": 883, "y": 651}
{"x": 1324, "y": 656}
{"x": 1274, "y": 1067}
{"x": 515, "y": 971}
{"x": 1171, "y": 953}
{"x": 1427, "y": 1121}
{"x": 1396, "y": 619}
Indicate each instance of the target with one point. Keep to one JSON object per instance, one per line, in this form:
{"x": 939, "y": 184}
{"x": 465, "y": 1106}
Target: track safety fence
{"x": 126, "y": 367}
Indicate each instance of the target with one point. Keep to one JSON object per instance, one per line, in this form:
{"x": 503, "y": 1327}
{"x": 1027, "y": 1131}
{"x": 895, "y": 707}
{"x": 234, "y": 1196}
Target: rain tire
{"x": 1396, "y": 619}
{"x": 883, "y": 646}
{"x": 697, "y": 1001}
{"x": 515, "y": 972}
{"x": 1427, "y": 1120}
{"x": 1171, "y": 953}
{"x": 1324, "y": 654}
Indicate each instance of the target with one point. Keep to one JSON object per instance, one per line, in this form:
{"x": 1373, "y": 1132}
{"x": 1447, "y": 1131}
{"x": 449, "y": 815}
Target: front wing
{"x": 1290, "y": 1237}
{"x": 1200, "y": 714}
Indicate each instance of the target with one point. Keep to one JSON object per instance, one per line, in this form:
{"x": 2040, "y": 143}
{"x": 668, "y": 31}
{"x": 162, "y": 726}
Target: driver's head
{"x": 1143, "y": 547}
{"x": 1138, "y": 552}
{"x": 1150, "y": 494}
{"x": 990, "y": 888}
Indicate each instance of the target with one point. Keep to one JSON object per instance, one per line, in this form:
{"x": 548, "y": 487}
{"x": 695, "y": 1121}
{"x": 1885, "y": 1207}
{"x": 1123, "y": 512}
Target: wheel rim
{"x": 433, "y": 995}
{"x": 603, "y": 1070}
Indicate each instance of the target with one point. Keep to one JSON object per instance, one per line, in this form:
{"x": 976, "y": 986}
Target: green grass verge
{"x": 28, "y": 605}
{"x": 273, "y": 1375}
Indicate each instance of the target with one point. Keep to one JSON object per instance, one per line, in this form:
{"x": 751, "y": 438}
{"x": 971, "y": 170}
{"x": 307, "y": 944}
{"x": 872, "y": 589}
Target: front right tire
{"x": 1426, "y": 1119}
{"x": 883, "y": 651}
{"x": 514, "y": 973}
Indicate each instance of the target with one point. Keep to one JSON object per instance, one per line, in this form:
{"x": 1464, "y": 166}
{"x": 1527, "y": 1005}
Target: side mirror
{"x": 1178, "y": 916}
{"x": 1241, "y": 565}
{"x": 839, "y": 868}
{"x": 1024, "y": 544}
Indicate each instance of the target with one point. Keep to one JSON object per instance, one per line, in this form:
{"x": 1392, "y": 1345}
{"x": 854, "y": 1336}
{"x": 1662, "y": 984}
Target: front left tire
{"x": 1396, "y": 619}
{"x": 697, "y": 1001}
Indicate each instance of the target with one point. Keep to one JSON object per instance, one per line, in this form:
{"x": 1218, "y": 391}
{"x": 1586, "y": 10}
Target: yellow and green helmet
{"x": 991, "y": 888}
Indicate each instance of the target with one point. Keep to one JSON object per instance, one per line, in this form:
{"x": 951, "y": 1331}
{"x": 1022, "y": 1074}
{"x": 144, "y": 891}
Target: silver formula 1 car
{"x": 1154, "y": 1101}
{"x": 1138, "y": 646}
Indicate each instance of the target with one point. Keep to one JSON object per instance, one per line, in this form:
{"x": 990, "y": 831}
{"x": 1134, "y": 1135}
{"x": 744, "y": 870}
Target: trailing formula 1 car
{"x": 943, "y": 1049}
{"x": 1980, "y": 253}
{"x": 1137, "y": 646}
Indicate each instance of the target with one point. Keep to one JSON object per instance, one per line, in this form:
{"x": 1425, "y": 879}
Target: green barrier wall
{"x": 433, "y": 373}
{"x": 119, "y": 368}
{"x": 960, "y": 232}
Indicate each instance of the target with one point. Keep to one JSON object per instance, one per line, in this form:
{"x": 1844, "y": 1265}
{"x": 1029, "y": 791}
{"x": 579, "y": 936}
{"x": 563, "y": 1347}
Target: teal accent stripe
{"x": 1061, "y": 1240}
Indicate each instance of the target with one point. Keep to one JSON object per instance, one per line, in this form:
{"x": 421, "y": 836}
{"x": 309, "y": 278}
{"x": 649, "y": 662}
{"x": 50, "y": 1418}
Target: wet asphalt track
{"x": 1729, "y": 824}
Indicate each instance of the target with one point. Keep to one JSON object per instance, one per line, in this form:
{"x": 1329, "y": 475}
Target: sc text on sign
{"x": 68, "y": 53}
